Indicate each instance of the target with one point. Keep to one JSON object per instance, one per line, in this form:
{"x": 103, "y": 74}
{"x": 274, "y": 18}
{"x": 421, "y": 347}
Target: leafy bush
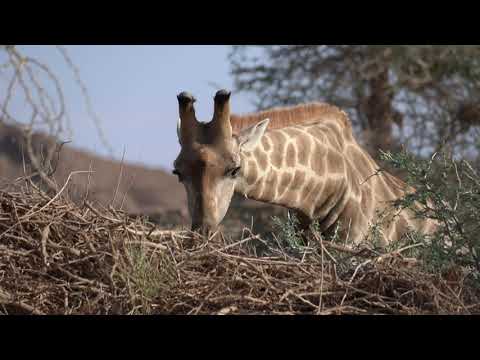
{"x": 288, "y": 234}
{"x": 449, "y": 192}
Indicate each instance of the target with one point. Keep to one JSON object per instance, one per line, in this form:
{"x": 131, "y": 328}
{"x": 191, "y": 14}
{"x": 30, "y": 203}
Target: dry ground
{"x": 58, "y": 257}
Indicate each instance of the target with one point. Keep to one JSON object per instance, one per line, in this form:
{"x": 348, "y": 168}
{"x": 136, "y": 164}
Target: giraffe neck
{"x": 289, "y": 168}
{"x": 322, "y": 172}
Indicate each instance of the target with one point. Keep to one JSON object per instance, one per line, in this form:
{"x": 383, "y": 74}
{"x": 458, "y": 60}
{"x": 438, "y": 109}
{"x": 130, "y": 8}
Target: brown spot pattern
{"x": 261, "y": 157}
{"x": 293, "y": 132}
{"x": 336, "y": 133}
{"x": 266, "y": 143}
{"x": 367, "y": 201}
{"x": 291, "y": 155}
{"x": 285, "y": 180}
{"x": 361, "y": 164}
{"x": 335, "y": 162}
{"x": 257, "y": 190}
{"x": 322, "y": 145}
{"x": 353, "y": 179}
{"x": 318, "y": 159}
{"x": 309, "y": 186}
{"x": 317, "y": 133}
{"x": 276, "y": 137}
{"x": 304, "y": 149}
{"x": 310, "y": 199}
{"x": 277, "y": 154}
{"x": 327, "y": 199}
{"x": 270, "y": 185}
{"x": 298, "y": 180}
{"x": 331, "y": 136}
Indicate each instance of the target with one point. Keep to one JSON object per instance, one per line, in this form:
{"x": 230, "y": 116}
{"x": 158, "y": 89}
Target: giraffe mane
{"x": 280, "y": 117}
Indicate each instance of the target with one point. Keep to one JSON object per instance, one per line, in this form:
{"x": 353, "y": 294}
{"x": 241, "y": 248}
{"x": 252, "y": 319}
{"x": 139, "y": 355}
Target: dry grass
{"x": 60, "y": 258}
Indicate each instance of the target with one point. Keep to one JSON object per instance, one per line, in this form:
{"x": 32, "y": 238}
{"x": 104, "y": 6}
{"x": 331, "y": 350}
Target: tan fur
{"x": 282, "y": 117}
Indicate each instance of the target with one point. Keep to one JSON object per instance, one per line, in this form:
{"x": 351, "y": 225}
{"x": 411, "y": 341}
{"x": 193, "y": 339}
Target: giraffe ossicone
{"x": 303, "y": 157}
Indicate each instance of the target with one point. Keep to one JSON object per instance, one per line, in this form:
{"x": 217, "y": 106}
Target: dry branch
{"x": 65, "y": 260}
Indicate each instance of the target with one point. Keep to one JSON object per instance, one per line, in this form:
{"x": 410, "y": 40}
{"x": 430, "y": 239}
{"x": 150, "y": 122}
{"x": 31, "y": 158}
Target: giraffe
{"x": 303, "y": 157}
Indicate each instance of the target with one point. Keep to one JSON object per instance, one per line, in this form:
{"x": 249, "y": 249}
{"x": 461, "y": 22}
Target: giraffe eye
{"x": 176, "y": 172}
{"x": 233, "y": 172}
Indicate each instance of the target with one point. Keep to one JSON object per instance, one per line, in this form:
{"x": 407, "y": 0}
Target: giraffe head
{"x": 209, "y": 163}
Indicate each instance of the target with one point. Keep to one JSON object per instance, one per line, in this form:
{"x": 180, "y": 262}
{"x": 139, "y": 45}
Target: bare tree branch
{"x": 31, "y": 80}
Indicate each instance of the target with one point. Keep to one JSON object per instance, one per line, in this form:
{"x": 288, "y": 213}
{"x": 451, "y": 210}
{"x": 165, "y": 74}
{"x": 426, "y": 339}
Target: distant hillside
{"x": 142, "y": 190}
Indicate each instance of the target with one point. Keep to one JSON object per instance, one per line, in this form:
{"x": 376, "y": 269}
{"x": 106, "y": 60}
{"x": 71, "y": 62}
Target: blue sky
{"x": 133, "y": 91}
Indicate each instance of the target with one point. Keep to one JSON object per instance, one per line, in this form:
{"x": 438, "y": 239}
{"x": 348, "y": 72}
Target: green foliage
{"x": 150, "y": 275}
{"x": 288, "y": 233}
{"x": 448, "y": 192}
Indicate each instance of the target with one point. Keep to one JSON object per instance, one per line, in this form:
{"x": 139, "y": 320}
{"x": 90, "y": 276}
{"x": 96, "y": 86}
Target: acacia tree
{"x": 420, "y": 96}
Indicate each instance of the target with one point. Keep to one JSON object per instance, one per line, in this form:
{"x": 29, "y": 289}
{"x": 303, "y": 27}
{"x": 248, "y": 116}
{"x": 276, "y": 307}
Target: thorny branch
{"x": 69, "y": 259}
{"x": 37, "y": 85}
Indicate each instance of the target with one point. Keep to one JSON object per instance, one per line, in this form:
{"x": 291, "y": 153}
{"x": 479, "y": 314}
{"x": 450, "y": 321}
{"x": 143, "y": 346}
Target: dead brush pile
{"x": 60, "y": 258}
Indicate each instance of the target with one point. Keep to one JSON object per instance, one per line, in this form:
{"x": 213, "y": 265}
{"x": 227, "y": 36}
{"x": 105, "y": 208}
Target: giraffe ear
{"x": 249, "y": 138}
